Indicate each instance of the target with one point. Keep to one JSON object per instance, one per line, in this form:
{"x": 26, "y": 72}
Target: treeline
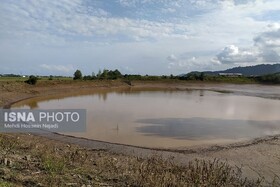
{"x": 201, "y": 76}
{"x": 116, "y": 74}
{"x": 10, "y": 75}
{"x": 148, "y": 77}
{"x": 271, "y": 78}
{"x": 194, "y": 76}
{"x": 106, "y": 74}
{"x": 257, "y": 70}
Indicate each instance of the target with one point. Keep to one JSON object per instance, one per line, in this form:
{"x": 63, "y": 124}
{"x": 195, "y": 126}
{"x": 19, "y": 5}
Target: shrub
{"x": 31, "y": 80}
{"x": 88, "y": 77}
{"x": 78, "y": 75}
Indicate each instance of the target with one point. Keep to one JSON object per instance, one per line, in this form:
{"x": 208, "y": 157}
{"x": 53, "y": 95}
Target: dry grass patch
{"x": 27, "y": 160}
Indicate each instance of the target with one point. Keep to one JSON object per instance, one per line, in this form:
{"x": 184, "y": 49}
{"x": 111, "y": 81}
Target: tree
{"x": 104, "y": 75}
{"x": 87, "y": 77}
{"x": 32, "y": 80}
{"x": 202, "y": 76}
{"x": 98, "y": 74}
{"x": 78, "y": 75}
{"x": 93, "y": 75}
{"x": 114, "y": 74}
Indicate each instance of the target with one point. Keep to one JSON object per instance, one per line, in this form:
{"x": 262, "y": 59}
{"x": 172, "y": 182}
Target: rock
{"x": 7, "y": 162}
{"x": 71, "y": 184}
{"x": 28, "y": 158}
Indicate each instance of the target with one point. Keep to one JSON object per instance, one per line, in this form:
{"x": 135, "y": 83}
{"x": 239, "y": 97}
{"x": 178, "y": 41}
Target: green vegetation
{"x": 105, "y": 75}
{"x": 5, "y": 184}
{"x": 217, "y": 78}
{"x": 257, "y": 70}
{"x": 193, "y": 77}
{"x": 32, "y": 80}
{"x": 271, "y": 78}
{"x": 53, "y": 165}
{"x": 116, "y": 74}
{"x": 26, "y": 160}
{"x": 78, "y": 75}
{"x": 265, "y": 79}
{"x": 50, "y": 78}
{"x": 18, "y": 79}
{"x": 10, "y": 75}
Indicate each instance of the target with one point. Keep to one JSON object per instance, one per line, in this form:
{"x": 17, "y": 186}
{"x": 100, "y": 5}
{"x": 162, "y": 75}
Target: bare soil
{"x": 258, "y": 158}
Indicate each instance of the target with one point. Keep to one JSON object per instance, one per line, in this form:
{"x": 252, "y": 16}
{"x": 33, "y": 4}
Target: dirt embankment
{"x": 257, "y": 158}
{"x": 13, "y": 91}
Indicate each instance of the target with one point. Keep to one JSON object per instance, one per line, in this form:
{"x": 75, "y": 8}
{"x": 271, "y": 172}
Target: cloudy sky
{"x": 136, "y": 36}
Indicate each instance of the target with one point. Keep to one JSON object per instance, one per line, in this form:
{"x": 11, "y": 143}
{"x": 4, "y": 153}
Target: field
{"x": 18, "y": 79}
{"x": 22, "y": 79}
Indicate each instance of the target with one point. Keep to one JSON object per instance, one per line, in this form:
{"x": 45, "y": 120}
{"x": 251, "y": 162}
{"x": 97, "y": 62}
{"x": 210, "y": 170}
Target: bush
{"x": 32, "y": 80}
{"x": 78, "y": 75}
{"x": 270, "y": 78}
{"x": 88, "y": 77}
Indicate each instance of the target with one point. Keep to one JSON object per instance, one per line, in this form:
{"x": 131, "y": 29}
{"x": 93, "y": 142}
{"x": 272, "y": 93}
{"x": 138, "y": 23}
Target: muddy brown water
{"x": 168, "y": 118}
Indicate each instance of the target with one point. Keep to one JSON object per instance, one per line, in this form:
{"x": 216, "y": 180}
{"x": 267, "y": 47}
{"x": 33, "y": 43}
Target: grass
{"x": 5, "y": 184}
{"x": 207, "y": 80}
{"x": 53, "y": 165}
{"x": 36, "y": 161}
{"x": 21, "y": 79}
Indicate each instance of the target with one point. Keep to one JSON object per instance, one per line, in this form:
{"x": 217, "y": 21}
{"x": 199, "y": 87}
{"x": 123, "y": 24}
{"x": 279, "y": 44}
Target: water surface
{"x": 169, "y": 119}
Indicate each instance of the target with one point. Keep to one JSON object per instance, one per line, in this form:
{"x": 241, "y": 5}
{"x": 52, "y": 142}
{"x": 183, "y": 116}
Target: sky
{"x": 155, "y": 37}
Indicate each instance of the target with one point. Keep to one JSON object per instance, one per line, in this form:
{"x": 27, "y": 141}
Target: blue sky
{"x": 136, "y": 36}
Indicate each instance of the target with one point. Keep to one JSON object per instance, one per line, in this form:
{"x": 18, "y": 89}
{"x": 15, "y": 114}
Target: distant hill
{"x": 258, "y": 70}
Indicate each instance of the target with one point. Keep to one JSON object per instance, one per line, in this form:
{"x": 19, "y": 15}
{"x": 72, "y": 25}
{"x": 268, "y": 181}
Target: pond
{"x": 168, "y": 118}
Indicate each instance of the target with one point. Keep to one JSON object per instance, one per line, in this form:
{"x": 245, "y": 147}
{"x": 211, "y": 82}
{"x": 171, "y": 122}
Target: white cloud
{"x": 71, "y": 20}
{"x": 172, "y": 58}
{"x": 266, "y": 49}
{"x": 101, "y": 34}
{"x": 233, "y": 55}
{"x": 184, "y": 64}
{"x": 127, "y": 2}
{"x": 60, "y": 68}
{"x": 269, "y": 39}
{"x": 168, "y": 10}
{"x": 133, "y": 3}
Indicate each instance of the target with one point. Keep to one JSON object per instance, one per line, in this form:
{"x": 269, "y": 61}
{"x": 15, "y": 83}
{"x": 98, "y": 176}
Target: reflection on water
{"x": 33, "y": 104}
{"x": 199, "y": 128}
{"x": 168, "y": 118}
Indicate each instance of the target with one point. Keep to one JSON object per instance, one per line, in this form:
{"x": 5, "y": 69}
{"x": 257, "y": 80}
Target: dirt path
{"x": 257, "y": 158}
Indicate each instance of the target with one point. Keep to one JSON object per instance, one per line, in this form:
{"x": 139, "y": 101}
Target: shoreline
{"x": 222, "y": 152}
{"x": 159, "y": 85}
{"x": 134, "y": 149}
